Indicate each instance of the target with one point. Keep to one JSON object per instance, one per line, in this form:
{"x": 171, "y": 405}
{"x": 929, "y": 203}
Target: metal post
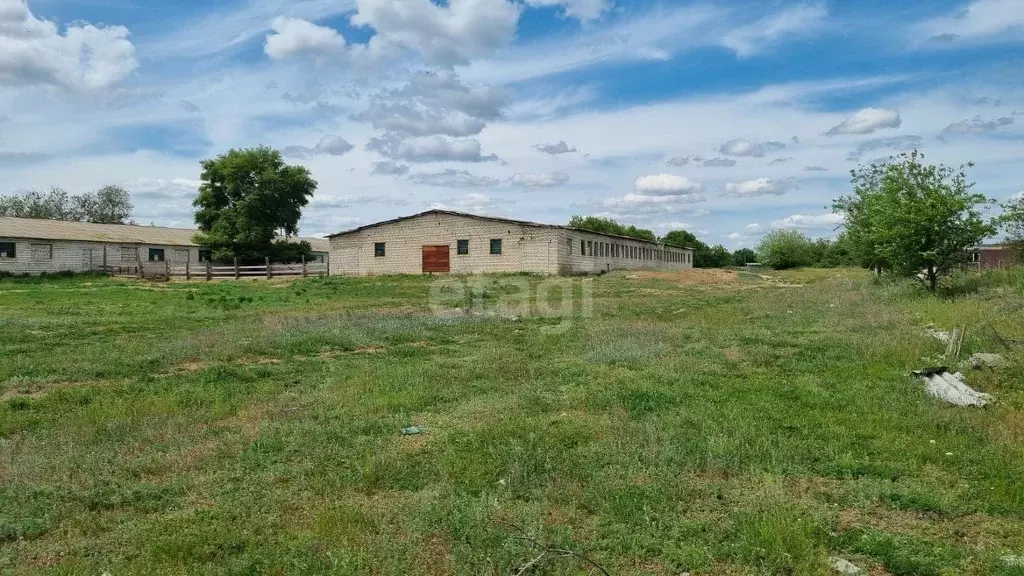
{"x": 209, "y": 273}
{"x": 188, "y": 271}
{"x": 167, "y": 267}
{"x": 105, "y": 258}
{"x": 303, "y": 265}
{"x": 266, "y": 260}
{"x": 236, "y": 268}
{"x": 138, "y": 260}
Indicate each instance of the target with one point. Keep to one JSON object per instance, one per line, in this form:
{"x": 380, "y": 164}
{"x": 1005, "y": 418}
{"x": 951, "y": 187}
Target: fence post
{"x": 209, "y": 273}
{"x": 303, "y": 265}
{"x": 266, "y": 261}
{"x": 188, "y": 271}
{"x": 236, "y": 268}
{"x": 105, "y": 258}
{"x": 138, "y": 260}
{"x": 167, "y": 268}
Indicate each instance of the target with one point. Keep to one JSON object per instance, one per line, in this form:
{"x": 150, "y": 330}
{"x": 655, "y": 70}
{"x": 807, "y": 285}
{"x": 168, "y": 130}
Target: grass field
{"x": 706, "y": 423}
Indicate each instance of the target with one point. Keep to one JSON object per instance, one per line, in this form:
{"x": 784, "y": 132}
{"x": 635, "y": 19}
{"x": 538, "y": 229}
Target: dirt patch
{"x": 694, "y": 277}
{"x": 40, "y": 389}
{"x": 979, "y": 531}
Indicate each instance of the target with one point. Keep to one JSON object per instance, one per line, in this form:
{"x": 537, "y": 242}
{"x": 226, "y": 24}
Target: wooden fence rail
{"x": 208, "y": 271}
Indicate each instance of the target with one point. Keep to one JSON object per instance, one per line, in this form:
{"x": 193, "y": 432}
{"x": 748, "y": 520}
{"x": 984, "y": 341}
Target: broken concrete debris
{"x": 951, "y": 387}
{"x": 412, "y": 430}
{"x": 844, "y": 566}
{"x": 984, "y": 360}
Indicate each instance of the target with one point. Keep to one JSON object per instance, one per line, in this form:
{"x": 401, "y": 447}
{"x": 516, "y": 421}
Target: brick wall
{"x": 38, "y": 256}
{"x": 523, "y": 248}
{"x": 599, "y": 252}
{"x": 537, "y": 249}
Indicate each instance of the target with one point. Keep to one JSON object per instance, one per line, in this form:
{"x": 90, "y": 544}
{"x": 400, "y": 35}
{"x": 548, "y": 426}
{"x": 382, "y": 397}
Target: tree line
{"x": 904, "y": 217}
{"x": 108, "y": 205}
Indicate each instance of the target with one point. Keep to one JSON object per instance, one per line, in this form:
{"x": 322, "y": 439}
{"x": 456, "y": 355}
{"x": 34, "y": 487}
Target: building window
{"x": 462, "y": 247}
{"x": 42, "y": 251}
{"x": 8, "y": 250}
{"x": 583, "y": 247}
{"x": 204, "y": 255}
{"x": 975, "y": 257}
{"x": 590, "y": 248}
{"x": 496, "y": 246}
{"x": 378, "y": 250}
{"x": 156, "y": 254}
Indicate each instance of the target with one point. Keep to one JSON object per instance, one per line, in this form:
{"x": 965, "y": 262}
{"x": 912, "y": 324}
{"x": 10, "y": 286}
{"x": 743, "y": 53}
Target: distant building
{"x": 443, "y": 241}
{"x": 988, "y": 256}
{"x": 32, "y": 246}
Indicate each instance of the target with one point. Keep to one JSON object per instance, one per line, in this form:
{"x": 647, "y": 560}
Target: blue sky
{"x": 724, "y": 118}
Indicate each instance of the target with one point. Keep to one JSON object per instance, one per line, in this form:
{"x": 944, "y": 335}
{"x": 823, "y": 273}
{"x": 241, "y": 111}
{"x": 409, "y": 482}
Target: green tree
{"x": 703, "y": 256}
{"x": 610, "y": 226}
{"x": 1011, "y": 222}
{"x": 247, "y": 199}
{"x": 781, "y": 249}
{"x": 717, "y": 256}
{"x": 108, "y": 205}
{"x": 913, "y": 218}
{"x": 743, "y": 256}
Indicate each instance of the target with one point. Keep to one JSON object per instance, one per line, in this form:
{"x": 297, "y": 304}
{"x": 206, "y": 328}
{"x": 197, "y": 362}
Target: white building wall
{"x": 593, "y": 253}
{"x": 524, "y": 248}
{"x": 48, "y": 256}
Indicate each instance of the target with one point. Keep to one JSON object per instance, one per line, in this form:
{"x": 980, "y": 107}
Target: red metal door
{"x": 435, "y": 259}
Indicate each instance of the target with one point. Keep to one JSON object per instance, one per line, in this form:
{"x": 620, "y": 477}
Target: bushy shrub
{"x": 781, "y": 249}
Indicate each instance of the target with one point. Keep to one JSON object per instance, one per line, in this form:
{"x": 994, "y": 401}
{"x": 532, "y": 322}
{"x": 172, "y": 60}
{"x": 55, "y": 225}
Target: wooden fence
{"x": 211, "y": 271}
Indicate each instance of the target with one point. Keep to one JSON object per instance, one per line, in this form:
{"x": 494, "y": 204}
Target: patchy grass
{"x": 724, "y": 423}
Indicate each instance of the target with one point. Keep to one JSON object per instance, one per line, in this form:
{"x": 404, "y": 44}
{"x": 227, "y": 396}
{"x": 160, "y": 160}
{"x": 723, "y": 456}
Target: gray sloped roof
{"x": 37, "y": 229}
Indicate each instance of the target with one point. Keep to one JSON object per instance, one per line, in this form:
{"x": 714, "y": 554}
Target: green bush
{"x": 782, "y": 249}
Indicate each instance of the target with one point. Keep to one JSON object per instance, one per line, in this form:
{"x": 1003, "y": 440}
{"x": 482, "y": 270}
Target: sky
{"x": 726, "y": 118}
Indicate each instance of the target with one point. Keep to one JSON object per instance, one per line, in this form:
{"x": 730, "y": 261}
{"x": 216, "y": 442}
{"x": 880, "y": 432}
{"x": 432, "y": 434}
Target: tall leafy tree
{"x": 743, "y": 256}
{"x": 610, "y": 226}
{"x": 247, "y": 199}
{"x": 108, "y": 205}
{"x": 781, "y": 249}
{"x": 1011, "y": 222}
{"x": 913, "y": 218}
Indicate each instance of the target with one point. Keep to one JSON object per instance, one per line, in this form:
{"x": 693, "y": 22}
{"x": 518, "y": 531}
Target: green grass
{"x": 757, "y": 427}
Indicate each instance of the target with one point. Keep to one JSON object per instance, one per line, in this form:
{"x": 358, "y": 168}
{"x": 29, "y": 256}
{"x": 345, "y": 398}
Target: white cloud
{"x": 980, "y": 21}
{"x": 330, "y": 145}
{"x": 429, "y": 149}
{"x": 454, "y": 179}
{"x": 717, "y": 162}
{"x": 534, "y": 180}
{"x": 446, "y": 35}
{"x": 581, "y": 9}
{"x": 753, "y": 228}
{"x": 759, "y": 187}
{"x": 389, "y": 168}
{"x": 85, "y": 57}
{"x": 815, "y": 168}
{"x": 976, "y": 125}
{"x": 472, "y": 202}
{"x": 295, "y": 36}
{"x": 633, "y": 200}
{"x": 898, "y": 143}
{"x": 555, "y": 149}
{"x": 867, "y": 121}
{"x": 435, "y": 103}
{"x": 803, "y": 222}
{"x": 743, "y": 147}
{"x": 666, "y": 185}
{"x": 757, "y": 36}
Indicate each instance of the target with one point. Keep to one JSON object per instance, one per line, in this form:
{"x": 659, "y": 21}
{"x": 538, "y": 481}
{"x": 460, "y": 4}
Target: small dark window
{"x": 378, "y": 250}
{"x": 8, "y": 250}
{"x": 463, "y": 247}
{"x": 156, "y": 254}
{"x": 583, "y": 247}
{"x": 496, "y": 246}
{"x": 204, "y": 255}
{"x": 590, "y": 248}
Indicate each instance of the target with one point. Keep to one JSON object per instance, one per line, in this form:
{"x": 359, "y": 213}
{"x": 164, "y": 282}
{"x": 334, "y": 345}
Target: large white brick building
{"x": 33, "y": 246}
{"x": 440, "y": 241}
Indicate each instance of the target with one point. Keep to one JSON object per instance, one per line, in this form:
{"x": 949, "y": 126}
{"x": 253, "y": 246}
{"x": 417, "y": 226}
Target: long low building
{"x": 35, "y": 246}
{"x": 444, "y": 241}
